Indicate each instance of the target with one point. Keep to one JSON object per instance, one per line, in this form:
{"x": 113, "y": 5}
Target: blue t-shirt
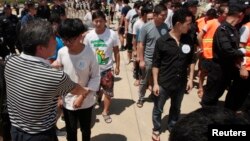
{"x": 58, "y": 46}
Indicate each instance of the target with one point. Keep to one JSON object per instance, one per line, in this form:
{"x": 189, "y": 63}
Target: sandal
{"x": 107, "y": 118}
{"x": 156, "y": 136}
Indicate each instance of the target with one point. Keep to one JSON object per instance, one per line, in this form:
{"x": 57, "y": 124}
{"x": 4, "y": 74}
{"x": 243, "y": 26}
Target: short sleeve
{"x": 66, "y": 85}
{"x": 244, "y": 34}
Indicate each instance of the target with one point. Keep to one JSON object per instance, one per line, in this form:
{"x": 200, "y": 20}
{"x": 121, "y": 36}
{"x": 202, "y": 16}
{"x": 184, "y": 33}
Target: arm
{"x": 190, "y": 79}
{"x": 156, "y": 89}
{"x": 94, "y": 81}
{"x": 200, "y": 37}
{"x": 117, "y": 59}
{"x": 142, "y": 39}
{"x": 226, "y": 47}
{"x": 155, "y": 70}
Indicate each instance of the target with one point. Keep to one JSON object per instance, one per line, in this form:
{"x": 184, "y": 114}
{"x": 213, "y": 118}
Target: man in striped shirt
{"x": 33, "y": 85}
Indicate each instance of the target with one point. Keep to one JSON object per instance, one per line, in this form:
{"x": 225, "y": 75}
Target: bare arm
{"x": 117, "y": 59}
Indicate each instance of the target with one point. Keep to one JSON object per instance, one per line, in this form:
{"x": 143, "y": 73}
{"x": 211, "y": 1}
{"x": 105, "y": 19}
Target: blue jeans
{"x": 174, "y": 112}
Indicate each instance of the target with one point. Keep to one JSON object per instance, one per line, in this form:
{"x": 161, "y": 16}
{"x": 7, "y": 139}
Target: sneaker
{"x": 139, "y": 103}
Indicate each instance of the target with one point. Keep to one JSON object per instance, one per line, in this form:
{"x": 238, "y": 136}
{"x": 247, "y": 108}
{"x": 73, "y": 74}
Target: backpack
{"x": 133, "y": 20}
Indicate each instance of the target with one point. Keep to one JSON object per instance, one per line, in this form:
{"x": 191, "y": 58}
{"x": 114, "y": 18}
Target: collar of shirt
{"x": 34, "y": 58}
{"x": 229, "y": 25}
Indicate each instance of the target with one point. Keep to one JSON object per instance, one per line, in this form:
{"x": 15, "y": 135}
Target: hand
{"x": 244, "y": 73}
{"x": 142, "y": 65}
{"x": 156, "y": 90}
{"x": 117, "y": 71}
{"x": 57, "y": 65}
{"x": 200, "y": 92}
{"x": 78, "y": 101}
{"x": 243, "y": 50}
{"x": 60, "y": 102}
{"x": 189, "y": 86}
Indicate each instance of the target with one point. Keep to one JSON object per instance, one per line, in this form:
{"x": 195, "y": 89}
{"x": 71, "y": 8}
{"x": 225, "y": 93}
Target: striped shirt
{"x": 32, "y": 91}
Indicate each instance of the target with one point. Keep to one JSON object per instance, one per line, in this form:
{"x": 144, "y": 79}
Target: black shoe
{"x": 139, "y": 103}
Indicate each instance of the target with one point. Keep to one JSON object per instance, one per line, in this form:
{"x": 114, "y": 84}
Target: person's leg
{"x": 6, "y": 127}
{"x": 136, "y": 73}
{"x": 216, "y": 85}
{"x": 129, "y": 46}
{"x": 159, "y": 102}
{"x": 71, "y": 124}
{"x": 108, "y": 91}
{"x": 146, "y": 74}
{"x": 174, "y": 111}
{"x": 237, "y": 93}
{"x": 84, "y": 117}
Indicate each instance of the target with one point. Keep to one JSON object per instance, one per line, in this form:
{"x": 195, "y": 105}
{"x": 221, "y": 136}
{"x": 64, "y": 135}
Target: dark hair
{"x": 194, "y": 126}
{"x": 159, "y": 8}
{"x": 180, "y": 15}
{"x": 36, "y": 32}
{"x": 126, "y": 1}
{"x": 144, "y": 10}
{"x": 211, "y": 13}
{"x": 235, "y": 9}
{"x": 95, "y": 6}
{"x": 71, "y": 28}
{"x": 55, "y": 18}
{"x": 137, "y": 4}
{"x": 98, "y": 14}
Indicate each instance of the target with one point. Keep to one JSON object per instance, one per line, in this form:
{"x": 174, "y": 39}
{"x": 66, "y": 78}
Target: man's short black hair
{"x": 235, "y": 9}
{"x": 71, "y": 28}
{"x": 98, "y": 14}
{"x": 36, "y": 32}
{"x": 180, "y": 15}
{"x": 159, "y": 8}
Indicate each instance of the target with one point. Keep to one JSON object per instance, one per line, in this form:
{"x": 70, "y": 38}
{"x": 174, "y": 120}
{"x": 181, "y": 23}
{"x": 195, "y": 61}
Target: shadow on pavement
{"x": 109, "y": 137}
{"x": 117, "y": 78}
{"x": 117, "y": 106}
{"x": 164, "y": 122}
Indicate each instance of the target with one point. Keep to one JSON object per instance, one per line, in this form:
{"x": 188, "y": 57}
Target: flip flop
{"x": 156, "y": 136}
{"x": 107, "y": 118}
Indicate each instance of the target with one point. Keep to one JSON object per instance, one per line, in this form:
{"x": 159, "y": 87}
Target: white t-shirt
{"x": 88, "y": 20}
{"x": 82, "y": 69}
{"x": 244, "y": 34}
{"x": 137, "y": 28}
{"x": 129, "y": 17}
{"x": 102, "y": 45}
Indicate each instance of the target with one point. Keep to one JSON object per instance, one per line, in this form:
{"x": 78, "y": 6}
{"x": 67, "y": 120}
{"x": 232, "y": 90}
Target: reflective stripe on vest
{"x": 207, "y": 41}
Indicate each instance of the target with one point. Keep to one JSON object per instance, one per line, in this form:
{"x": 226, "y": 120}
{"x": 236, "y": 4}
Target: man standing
{"x": 172, "y": 57}
{"x": 32, "y": 91}
{"x": 149, "y": 33}
{"x": 226, "y": 56}
{"x": 104, "y": 42}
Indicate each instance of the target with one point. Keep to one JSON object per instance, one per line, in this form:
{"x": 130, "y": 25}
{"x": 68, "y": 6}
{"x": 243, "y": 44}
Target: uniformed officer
{"x": 226, "y": 55}
{"x": 8, "y": 35}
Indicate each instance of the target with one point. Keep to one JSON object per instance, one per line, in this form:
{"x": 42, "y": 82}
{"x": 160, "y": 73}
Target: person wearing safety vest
{"x": 205, "y": 39}
{"x": 201, "y": 22}
{"x": 240, "y": 88}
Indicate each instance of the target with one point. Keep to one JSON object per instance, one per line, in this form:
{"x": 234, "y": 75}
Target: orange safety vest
{"x": 207, "y": 41}
{"x": 248, "y": 49}
{"x": 200, "y": 23}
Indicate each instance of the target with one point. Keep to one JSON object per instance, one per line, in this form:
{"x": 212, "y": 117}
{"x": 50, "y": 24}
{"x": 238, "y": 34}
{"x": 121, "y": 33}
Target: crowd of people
{"x": 61, "y": 66}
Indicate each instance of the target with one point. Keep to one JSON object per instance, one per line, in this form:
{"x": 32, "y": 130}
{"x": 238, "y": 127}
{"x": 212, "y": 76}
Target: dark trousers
{"x": 237, "y": 93}
{"x": 71, "y": 120}
{"x": 174, "y": 112}
{"x": 19, "y": 135}
{"x": 218, "y": 79}
{"x": 5, "y": 127}
{"x": 137, "y": 71}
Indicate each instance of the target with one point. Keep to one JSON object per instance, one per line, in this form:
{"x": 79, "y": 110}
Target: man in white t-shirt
{"x": 104, "y": 42}
{"x": 78, "y": 61}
